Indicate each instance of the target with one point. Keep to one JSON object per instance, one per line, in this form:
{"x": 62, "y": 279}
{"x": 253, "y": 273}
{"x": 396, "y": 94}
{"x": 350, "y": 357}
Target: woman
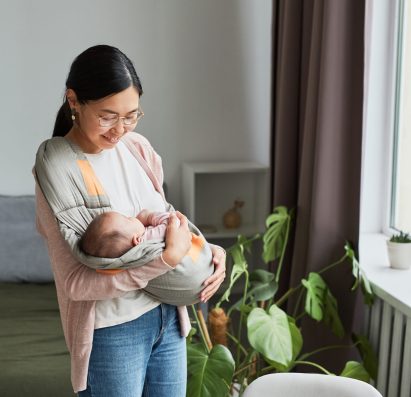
{"x": 122, "y": 343}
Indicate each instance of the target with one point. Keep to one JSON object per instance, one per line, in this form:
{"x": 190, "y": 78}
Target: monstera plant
{"x": 255, "y": 336}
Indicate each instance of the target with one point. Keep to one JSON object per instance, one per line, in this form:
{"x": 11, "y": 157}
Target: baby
{"x": 111, "y": 234}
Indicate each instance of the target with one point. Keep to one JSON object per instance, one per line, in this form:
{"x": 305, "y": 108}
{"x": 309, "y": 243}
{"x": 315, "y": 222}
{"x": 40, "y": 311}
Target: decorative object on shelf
{"x": 399, "y": 251}
{"x": 206, "y": 187}
{"x": 232, "y": 218}
{"x": 266, "y": 339}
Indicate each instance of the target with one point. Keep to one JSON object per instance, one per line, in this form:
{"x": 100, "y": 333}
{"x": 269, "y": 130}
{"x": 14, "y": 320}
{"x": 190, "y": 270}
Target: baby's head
{"x": 110, "y": 235}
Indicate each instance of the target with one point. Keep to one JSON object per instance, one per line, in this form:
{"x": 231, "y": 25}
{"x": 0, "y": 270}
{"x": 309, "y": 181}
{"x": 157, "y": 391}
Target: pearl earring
{"x": 73, "y": 114}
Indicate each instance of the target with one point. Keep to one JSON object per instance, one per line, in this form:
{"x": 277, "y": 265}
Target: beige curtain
{"x": 318, "y": 51}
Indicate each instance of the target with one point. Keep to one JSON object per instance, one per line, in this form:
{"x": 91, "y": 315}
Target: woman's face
{"x": 87, "y": 131}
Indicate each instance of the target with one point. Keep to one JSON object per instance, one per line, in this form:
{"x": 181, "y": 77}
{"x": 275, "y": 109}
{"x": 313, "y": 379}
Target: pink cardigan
{"x": 78, "y": 287}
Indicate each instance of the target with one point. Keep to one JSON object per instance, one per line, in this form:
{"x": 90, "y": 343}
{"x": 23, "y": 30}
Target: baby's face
{"x": 133, "y": 226}
{"x": 130, "y": 226}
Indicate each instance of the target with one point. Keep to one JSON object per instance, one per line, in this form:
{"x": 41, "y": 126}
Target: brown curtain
{"x": 318, "y": 58}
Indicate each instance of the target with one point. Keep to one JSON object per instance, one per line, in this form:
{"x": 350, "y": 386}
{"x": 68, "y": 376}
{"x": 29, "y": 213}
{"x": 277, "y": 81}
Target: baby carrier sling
{"x": 76, "y": 197}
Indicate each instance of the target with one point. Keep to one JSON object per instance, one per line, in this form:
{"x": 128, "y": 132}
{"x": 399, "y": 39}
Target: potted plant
{"x": 265, "y": 338}
{"x": 399, "y": 250}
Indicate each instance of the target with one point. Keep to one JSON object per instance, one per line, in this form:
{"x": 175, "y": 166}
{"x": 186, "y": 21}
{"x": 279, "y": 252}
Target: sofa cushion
{"x": 23, "y": 253}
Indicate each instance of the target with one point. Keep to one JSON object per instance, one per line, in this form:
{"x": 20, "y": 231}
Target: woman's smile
{"x": 112, "y": 138}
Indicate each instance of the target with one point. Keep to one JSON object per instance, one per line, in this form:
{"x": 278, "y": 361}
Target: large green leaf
{"x": 274, "y": 237}
{"x": 241, "y": 307}
{"x": 354, "y": 369}
{"x": 360, "y": 278}
{"x": 263, "y": 285}
{"x": 239, "y": 265}
{"x": 320, "y": 303}
{"x": 297, "y": 341}
{"x": 236, "y": 272}
{"x": 237, "y": 253}
{"x": 370, "y": 360}
{"x": 316, "y": 292}
{"x": 269, "y": 334}
{"x": 261, "y": 275}
{"x": 246, "y": 242}
{"x": 332, "y": 317}
{"x": 210, "y": 374}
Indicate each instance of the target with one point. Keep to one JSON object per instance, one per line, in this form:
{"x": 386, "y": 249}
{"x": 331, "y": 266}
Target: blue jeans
{"x": 144, "y": 357}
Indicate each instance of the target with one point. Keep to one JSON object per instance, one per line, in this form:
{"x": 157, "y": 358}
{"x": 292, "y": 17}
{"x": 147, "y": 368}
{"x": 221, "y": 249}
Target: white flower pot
{"x": 399, "y": 255}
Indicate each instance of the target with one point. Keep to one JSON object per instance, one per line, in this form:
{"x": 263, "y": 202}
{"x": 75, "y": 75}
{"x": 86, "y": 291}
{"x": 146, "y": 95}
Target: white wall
{"x": 204, "y": 66}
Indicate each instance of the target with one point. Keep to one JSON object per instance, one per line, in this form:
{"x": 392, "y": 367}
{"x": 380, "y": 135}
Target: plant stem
{"x": 250, "y": 240}
{"x": 266, "y": 369}
{"x": 306, "y": 355}
{"x": 237, "y": 342}
{"x": 300, "y": 287}
{"x": 245, "y": 367}
{"x": 201, "y": 330}
{"x": 313, "y": 365}
{"x": 301, "y": 315}
{"x": 286, "y": 296}
{"x": 240, "y": 326}
{"x": 230, "y": 310}
{"x": 280, "y": 263}
{"x": 269, "y": 303}
{"x": 300, "y": 296}
{"x": 204, "y": 328}
{"x": 342, "y": 259}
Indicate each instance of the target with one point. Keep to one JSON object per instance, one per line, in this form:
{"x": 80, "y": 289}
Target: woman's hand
{"x": 213, "y": 282}
{"x": 178, "y": 239}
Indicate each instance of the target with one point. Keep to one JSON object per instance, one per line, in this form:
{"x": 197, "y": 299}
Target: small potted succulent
{"x": 399, "y": 250}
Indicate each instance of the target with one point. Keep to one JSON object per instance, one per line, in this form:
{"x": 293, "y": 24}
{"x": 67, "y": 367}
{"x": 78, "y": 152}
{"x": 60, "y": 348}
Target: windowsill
{"x": 391, "y": 285}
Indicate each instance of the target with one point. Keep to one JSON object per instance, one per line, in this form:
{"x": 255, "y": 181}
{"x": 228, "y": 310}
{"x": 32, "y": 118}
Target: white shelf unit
{"x": 210, "y": 189}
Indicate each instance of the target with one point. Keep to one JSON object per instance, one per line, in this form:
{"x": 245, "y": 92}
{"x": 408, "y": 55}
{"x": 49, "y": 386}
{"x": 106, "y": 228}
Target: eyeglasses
{"x": 113, "y": 119}
{"x": 109, "y": 121}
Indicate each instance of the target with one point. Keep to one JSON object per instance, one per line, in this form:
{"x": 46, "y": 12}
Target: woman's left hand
{"x": 213, "y": 282}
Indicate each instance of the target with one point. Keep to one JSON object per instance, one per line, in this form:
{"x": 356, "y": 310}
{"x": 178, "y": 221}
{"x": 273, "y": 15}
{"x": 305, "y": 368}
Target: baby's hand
{"x": 178, "y": 239}
{"x": 142, "y": 216}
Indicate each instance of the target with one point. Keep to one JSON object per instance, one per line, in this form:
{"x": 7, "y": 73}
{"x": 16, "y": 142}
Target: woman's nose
{"x": 119, "y": 128}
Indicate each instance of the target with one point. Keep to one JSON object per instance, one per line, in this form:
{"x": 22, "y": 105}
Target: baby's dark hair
{"x": 109, "y": 243}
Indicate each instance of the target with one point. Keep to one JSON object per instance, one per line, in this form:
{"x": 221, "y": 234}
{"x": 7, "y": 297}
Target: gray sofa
{"x": 34, "y": 361}
{"x": 23, "y": 255}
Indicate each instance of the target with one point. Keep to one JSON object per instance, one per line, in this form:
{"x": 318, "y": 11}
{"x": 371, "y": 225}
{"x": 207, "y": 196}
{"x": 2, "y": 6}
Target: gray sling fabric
{"x": 75, "y": 196}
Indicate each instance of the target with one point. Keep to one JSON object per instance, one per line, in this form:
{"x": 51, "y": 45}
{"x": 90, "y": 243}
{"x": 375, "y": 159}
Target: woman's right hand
{"x": 178, "y": 239}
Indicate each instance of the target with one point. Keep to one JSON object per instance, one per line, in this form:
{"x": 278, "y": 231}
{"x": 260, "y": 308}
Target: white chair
{"x": 308, "y": 385}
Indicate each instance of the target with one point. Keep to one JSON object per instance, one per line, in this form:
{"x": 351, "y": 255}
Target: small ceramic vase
{"x": 232, "y": 218}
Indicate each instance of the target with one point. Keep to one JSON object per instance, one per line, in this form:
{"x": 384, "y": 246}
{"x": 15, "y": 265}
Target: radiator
{"x": 389, "y": 331}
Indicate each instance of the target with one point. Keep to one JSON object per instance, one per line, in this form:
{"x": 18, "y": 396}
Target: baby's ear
{"x": 136, "y": 240}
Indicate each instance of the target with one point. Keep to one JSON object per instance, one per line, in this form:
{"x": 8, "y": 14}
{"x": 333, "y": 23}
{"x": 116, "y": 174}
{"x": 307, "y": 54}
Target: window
{"x": 380, "y": 82}
{"x": 400, "y": 203}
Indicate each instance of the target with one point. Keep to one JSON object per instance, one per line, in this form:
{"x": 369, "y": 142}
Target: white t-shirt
{"x": 130, "y": 190}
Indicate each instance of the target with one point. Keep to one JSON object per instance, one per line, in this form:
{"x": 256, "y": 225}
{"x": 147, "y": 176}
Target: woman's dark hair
{"x": 97, "y": 72}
